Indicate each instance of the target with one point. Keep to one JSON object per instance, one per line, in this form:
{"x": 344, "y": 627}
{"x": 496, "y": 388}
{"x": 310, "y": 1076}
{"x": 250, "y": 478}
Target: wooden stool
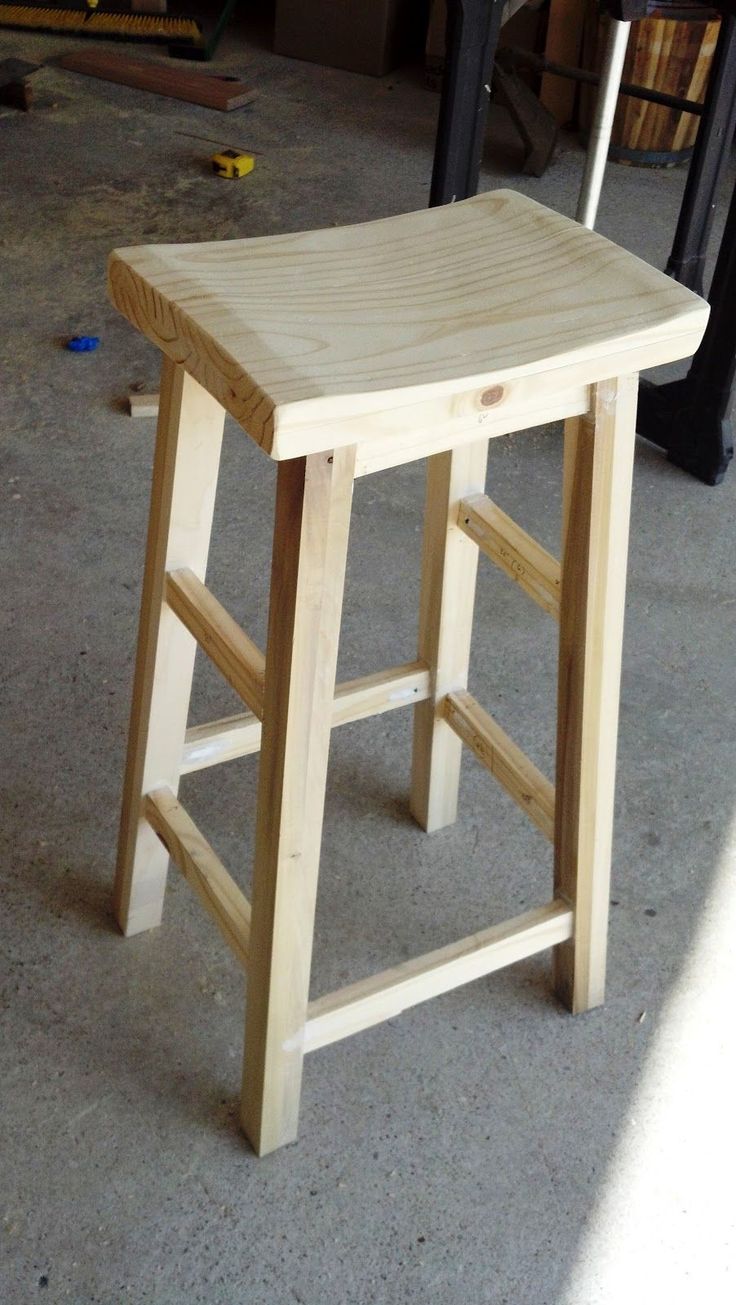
{"x": 340, "y": 353}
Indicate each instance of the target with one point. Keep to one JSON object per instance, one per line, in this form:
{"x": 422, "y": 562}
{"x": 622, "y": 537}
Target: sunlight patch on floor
{"x": 664, "y": 1228}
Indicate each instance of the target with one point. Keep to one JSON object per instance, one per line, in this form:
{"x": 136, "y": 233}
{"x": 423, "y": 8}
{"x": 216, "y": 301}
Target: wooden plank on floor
{"x": 211, "y": 91}
{"x": 143, "y": 405}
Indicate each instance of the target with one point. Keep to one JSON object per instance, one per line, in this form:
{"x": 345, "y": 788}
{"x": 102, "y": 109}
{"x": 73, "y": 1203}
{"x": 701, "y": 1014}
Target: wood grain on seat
{"x": 308, "y": 338}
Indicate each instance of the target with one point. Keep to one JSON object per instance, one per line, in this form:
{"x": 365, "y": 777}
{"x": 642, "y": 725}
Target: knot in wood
{"x": 491, "y": 396}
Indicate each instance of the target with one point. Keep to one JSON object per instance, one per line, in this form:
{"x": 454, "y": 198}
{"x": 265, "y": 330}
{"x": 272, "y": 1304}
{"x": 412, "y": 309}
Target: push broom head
{"x": 120, "y": 24}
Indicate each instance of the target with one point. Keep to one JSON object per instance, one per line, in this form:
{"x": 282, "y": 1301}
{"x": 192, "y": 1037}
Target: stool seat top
{"x": 307, "y": 338}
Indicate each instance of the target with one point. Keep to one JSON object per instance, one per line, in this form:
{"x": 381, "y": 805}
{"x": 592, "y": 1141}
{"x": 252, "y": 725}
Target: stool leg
{"x": 185, "y": 470}
{"x": 449, "y": 569}
{"x": 313, "y": 501}
{"x": 599, "y": 452}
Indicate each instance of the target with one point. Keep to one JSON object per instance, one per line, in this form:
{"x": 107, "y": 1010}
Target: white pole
{"x": 600, "y": 132}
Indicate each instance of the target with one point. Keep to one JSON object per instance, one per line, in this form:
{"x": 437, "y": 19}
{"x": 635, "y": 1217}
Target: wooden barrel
{"x": 666, "y": 54}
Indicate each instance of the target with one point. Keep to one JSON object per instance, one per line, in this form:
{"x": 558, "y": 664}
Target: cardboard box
{"x": 368, "y": 36}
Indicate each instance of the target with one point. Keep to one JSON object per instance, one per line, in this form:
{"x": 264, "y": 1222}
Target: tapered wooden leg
{"x": 185, "y": 470}
{"x": 449, "y": 569}
{"x": 313, "y": 503}
{"x": 597, "y": 496}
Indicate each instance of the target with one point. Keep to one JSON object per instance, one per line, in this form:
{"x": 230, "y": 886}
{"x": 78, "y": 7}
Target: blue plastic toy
{"x": 83, "y": 343}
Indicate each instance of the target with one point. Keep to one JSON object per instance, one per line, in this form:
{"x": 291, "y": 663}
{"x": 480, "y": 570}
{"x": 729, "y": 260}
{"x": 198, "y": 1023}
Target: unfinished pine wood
{"x": 306, "y": 338}
{"x": 598, "y": 494}
{"x": 143, "y": 405}
{"x": 201, "y": 867}
{"x": 238, "y": 736}
{"x": 447, "y": 597}
{"x": 234, "y": 654}
{"x": 222, "y": 740}
{"x": 185, "y": 470}
{"x": 342, "y": 352}
{"x": 513, "y": 550}
{"x": 569, "y": 458}
{"x": 397, "y": 435}
{"x": 369, "y": 695}
{"x": 385, "y": 995}
{"x": 313, "y": 500}
{"x": 207, "y": 89}
{"x": 529, "y": 788}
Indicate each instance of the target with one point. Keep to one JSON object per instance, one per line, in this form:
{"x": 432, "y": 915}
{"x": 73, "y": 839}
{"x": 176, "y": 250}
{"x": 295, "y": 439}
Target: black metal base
{"x": 695, "y": 434}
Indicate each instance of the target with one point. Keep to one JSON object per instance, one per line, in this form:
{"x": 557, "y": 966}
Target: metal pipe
{"x": 600, "y": 132}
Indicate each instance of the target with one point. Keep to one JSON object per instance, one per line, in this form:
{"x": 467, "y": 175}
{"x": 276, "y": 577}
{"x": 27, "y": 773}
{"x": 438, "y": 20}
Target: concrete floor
{"x": 486, "y": 1148}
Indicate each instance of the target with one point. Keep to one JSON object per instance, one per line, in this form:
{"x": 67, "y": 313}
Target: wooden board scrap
{"x": 143, "y": 405}
{"x": 210, "y": 90}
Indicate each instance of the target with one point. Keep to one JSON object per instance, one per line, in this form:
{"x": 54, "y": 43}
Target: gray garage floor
{"x": 486, "y": 1148}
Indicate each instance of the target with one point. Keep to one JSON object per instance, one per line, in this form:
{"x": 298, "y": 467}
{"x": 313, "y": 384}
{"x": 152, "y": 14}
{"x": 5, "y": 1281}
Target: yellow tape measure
{"x": 229, "y": 163}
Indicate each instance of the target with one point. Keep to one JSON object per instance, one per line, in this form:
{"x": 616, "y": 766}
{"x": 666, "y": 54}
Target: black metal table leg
{"x": 715, "y": 133}
{"x": 690, "y": 418}
{"x": 472, "y": 37}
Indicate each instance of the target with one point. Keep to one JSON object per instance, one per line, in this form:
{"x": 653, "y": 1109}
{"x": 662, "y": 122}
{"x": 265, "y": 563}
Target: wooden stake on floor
{"x": 185, "y": 471}
{"x": 597, "y": 493}
{"x": 449, "y": 569}
{"x": 313, "y": 501}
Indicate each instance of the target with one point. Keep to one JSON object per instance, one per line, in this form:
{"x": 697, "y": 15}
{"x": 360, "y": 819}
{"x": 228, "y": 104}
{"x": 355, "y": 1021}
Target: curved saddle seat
{"x": 434, "y": 319}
